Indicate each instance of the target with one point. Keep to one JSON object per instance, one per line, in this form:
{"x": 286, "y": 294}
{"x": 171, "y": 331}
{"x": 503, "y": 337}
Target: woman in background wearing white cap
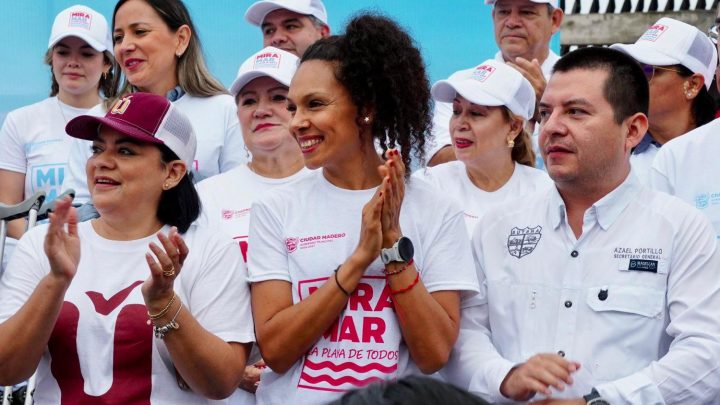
{"x": 159, "y": 52}
{"x": 139, "y": 305}
{"x": 34, "y": 148}
{"x": 357, "y": 273}
{"x": 491, "y": 104}
{"x": 679, "y": 61}
{"x": 260, "y": 91}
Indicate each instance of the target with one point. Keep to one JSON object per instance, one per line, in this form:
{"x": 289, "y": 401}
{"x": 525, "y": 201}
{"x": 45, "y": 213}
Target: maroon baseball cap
{"x": 145, "y": 117}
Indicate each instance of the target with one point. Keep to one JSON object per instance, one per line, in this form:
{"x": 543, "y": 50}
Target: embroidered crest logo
{"x": 522, "y": 242}
{"x": 291, "y": 244}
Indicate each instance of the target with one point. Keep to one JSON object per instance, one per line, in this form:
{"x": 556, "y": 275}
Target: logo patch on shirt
{"x": 291, "y": 244}
{"x": 522, "y": 242}
{"x": 308, "y": 242}
{"x": 643, "y": 265}
{"x": 702, "y": 200}
{"x": 80, "y": 19}
{"x": 654, "y": 32}
{"x": 229, "y": 214}
{"x": 482, "y": 72}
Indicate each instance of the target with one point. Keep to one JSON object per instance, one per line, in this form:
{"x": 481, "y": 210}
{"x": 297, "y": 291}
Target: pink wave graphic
{"x": 350, "y": 366}
{"x": 336, "y": 382}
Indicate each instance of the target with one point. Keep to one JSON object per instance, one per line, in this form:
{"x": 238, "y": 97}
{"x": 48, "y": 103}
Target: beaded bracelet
{"x": 347, "y": 294}
{"x": 403, "y": 268}
{"x": 164, "y": 310}
{"x": 408, "y": 288}
{"x": 160, "y": 331}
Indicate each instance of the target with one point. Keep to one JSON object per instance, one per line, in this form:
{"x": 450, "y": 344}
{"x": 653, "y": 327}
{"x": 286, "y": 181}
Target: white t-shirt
{"x": 228, "y": 197}
{"x": 453, "y": 180}
{"x": 102, "y": 348}
{"x": 635, "y": 300}
{"x": 220, "y": 145}
{"x": 689, "y": 166}
{"x": 33, "y": 142}
{"x": 301, "y": 233}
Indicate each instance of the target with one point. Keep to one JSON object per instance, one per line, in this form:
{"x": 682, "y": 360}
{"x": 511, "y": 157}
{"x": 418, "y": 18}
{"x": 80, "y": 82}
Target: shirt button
{"x": 574, "y": 253}
{"x": 561, "y": 353}
{"x": 568, "y": 304}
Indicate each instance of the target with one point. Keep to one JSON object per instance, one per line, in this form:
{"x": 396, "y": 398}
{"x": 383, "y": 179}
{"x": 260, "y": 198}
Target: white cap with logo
{"x": 672, "y": 42}
{"x": 553, "y": 3}
{"x": 270, "y": 61}
{"x": 84, "y": 23}
{"x": 256, "y": 13}
{"x": 491, "y": 83}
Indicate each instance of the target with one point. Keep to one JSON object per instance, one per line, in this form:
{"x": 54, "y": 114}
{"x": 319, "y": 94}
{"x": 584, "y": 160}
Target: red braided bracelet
{"x": 408, "y": 288}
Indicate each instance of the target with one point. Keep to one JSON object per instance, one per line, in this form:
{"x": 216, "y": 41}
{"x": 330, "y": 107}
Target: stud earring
{"x": 688, "y": 94}
{"x": 511, "y": 143}
{"x": 366, "y": 120}
{"x": 166, "y": 186}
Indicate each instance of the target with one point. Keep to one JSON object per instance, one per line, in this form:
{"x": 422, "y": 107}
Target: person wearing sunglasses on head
{"x": 679, "y": 62}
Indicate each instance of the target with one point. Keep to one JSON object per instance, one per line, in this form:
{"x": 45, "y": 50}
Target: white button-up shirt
{"x": 635, "y": 300}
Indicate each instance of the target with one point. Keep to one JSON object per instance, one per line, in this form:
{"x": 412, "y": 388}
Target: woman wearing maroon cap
{"x": 88, "y": 316}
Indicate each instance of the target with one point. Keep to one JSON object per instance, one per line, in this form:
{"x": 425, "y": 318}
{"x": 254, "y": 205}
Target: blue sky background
{"x": 452, "y": 37}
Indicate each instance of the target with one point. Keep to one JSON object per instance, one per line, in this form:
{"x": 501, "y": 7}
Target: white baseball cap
{"x": 256, "y": 13}
{"x": 270, "y": 61}
{"x": 491, "y": 83}
{"x": 673, "y": 42}
{"x": 553, "y": 3}
{"x": 84, "y": 23}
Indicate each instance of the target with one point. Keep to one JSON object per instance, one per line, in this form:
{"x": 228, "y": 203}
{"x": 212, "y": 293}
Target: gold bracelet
{"x": 164, "y": 310}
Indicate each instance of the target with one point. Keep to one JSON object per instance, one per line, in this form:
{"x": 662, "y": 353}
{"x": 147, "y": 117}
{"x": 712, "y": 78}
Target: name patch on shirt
{"x": 643, "y": 265}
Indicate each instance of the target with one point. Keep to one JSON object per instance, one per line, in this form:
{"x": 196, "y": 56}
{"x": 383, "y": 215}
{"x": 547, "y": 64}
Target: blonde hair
{"x": 108, "y": 83}
{"x": 522, "y": 152}
{"x": 192, "y": 72}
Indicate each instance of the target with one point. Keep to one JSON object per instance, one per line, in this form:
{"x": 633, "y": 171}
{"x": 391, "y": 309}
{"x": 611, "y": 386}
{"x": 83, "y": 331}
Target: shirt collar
{"x": 173, "y": 95}
{"x": 645, "y": 144}
{"x": 606, "y": 210}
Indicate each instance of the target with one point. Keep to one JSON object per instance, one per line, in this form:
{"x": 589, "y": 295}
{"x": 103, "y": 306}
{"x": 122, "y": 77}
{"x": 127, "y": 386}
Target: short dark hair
{"x": 412, "y": 390}
{"x": 179, "y": 206}
{"x": 626, "y": 87}
{"x": 382, "y": 69}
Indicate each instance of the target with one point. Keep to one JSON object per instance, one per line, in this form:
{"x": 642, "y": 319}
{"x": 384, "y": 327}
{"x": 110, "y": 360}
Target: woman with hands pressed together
{"x": 357, "y": 274}
{"x": 88, "y": 314}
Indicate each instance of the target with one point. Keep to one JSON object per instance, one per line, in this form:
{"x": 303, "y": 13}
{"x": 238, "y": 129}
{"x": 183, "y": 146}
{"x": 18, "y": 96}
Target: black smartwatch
{"x": 401, "y": 251}
{"x": 594, "y": 398}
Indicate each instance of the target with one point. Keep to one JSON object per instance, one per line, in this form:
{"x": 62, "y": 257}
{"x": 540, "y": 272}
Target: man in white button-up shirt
{"x": 600, "y": 288}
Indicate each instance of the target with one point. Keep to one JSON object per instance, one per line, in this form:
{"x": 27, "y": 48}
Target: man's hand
{"x": 532, "y": 71}
{"x": 538, "y": 374}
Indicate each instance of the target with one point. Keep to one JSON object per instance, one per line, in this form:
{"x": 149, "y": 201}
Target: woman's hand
{"x": 251, "y": 377}
{"x": 393, "y": 173}
{"x": 371, "y": 235}
{"x": 62, "y": 247}
{"x": 158, "y": 288}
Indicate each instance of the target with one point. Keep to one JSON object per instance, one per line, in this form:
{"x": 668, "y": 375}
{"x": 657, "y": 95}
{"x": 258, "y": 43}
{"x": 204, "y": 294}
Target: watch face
{"x": 406, "y": 249}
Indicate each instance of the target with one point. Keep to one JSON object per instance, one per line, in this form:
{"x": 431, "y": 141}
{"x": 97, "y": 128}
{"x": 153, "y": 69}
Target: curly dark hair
{"x": 383, "y": 70}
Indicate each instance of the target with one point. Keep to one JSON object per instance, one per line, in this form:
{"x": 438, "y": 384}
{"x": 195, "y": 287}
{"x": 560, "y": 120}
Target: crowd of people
{"x": 333, "y": 226}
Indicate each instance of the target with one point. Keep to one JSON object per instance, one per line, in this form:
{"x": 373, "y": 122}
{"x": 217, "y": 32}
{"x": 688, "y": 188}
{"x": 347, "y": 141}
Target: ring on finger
{"x": 169, "y": 272}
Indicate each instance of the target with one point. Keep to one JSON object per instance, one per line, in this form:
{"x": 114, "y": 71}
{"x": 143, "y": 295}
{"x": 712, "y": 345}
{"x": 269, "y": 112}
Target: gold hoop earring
{"x": 511, "y": 143}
